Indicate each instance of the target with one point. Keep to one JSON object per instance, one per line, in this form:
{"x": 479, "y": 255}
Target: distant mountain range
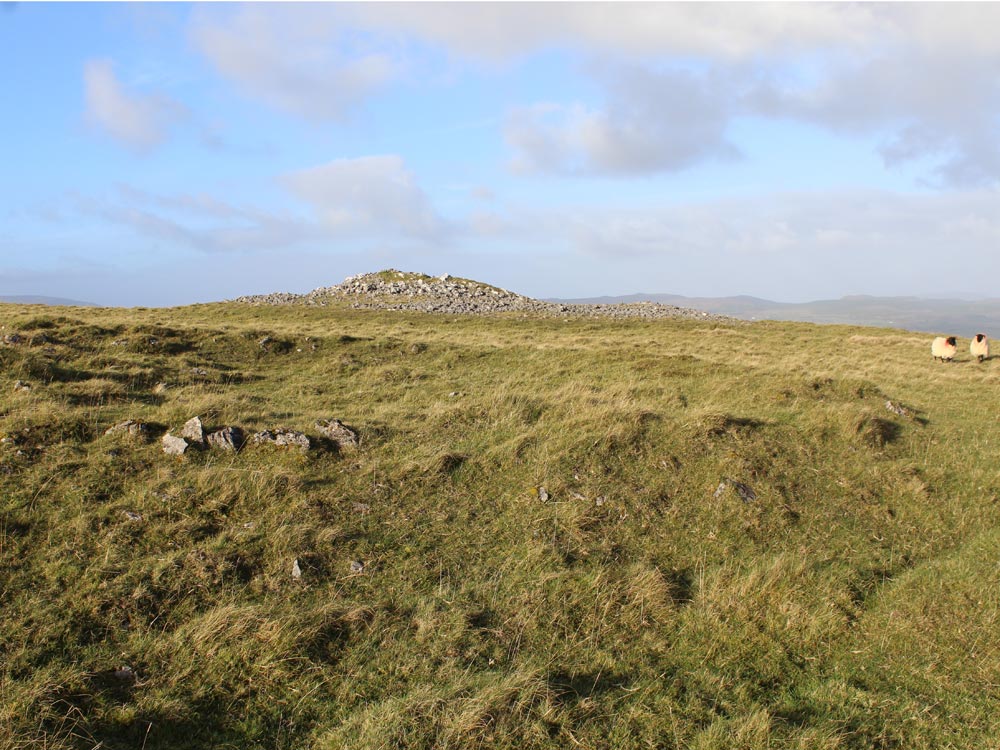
{"x": 32, "y": 299}
{"x": 945, "y": 316}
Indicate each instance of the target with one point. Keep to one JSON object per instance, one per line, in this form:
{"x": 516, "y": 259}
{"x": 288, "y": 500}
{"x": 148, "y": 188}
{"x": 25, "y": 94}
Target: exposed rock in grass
{"x": 132, "y": 515}
{"x": 541, "y": 493}
{"x": 194, "y": 431}
{"x": 357, "y": 566}
{"x": 296, "y": 570}
{"x": 337, "y": 432}
{"x": 173, "y": 445}
{"x": 897, "y": 409}
{"x": 282, "y": 438}
{"x": 125, "y": 674}
{"x": 130, "y": 427}
{"x": 20, "y": 385}
{"x": 227, "y": 439}
{"x": 745, "y": 492}
{"x": 13, "y": 339}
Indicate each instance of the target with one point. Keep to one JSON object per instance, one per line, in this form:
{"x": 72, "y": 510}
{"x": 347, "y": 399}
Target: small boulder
{"x": 897, "y": 409}
{"x": 296, "y": 570}
{"x": 357, "y": 566}
{"x": 338, "y": 432}
{"x": 130, "y": 427}
{"x": 226, "y": 439}
{"x": 20, "y": 385}
{"x": 194, "y": 431}
{"x": 282, "y": 438}
{"x": 745, "y": 491}
{"x": 173, "y": 445}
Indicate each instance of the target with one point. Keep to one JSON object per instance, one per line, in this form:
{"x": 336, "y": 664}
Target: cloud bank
{"x": 139, "y": 121}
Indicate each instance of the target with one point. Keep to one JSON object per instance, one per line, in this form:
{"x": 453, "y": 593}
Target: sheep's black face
{"x": 951, "y": 341}
{"x": 979, "y": 338}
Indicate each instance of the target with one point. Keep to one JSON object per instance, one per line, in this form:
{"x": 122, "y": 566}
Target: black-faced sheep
{"x": 944, "y": 348}
{"x": 980, "y": 347}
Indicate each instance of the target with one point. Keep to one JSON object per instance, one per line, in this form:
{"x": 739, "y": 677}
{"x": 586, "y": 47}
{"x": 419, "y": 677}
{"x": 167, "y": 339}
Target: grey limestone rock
{"x": 194, "y": 431}
{"x": 227, "y": 439}
{"x": 338, "y": 432}
{"x": 745, "y": 491}
{"x": 130, "y": 427}
{"x": 282, "y": 438}
{"x": 173, "y": 445}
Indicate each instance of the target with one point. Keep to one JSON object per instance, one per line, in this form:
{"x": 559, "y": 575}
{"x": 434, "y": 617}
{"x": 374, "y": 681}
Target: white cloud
{"x": 496, "y": 31}
{"x": 784, "y": 246}
{"x": 368, "y": 195}
{"x": 201, "y": 222}
{"x": 138, "y": 120}
{"x": 297, "y": 58}
{"x": 652, "y": 122}
{"x": 923, "y": 77}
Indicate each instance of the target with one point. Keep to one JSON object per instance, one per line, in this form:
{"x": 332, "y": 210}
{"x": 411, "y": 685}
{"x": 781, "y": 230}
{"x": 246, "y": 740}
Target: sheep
{"x": 980, "y": 347}
{"x": 944, "y": 348}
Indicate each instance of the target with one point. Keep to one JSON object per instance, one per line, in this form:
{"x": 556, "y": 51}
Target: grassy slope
{"x": 852, "y": 604}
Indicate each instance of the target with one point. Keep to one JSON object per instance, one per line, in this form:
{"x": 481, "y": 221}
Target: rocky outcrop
{"x": 282, "y": 438}
{"x": 227, "y": 439}
{"x": 417, "y": 292}
{"x": 338, "y": 433}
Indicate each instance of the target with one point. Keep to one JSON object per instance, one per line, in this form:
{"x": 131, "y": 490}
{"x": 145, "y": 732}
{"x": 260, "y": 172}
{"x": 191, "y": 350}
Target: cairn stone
{"x": 282, "y": 438}
{"x": 194, "y": 431}
{"x": 395, "y": 290}
{"x": 130, "y": 427}
{"x": 173, "y": 445}
{"x": 338, "y": 432}
{"x": 226, "y": 439}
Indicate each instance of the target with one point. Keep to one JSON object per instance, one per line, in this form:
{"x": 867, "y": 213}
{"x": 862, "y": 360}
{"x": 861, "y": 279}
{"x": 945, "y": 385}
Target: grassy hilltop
{"x": 737, "y": 546}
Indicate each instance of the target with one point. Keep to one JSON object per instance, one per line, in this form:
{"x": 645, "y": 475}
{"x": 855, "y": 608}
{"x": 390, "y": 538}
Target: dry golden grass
{"x": 850, "y": 602}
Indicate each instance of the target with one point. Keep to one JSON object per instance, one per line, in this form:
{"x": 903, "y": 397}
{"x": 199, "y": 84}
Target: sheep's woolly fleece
{"x": 944, "y": 348}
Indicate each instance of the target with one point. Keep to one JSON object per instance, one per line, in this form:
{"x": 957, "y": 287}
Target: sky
{"x": 165, "y": 154}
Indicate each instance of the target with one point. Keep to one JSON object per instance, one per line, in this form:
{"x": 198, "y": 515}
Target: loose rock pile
{"x": 232, "y": 438}
{"x": 398, "y": 290}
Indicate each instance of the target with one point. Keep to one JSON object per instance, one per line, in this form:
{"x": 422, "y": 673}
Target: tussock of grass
{"x": 848, "y": 601}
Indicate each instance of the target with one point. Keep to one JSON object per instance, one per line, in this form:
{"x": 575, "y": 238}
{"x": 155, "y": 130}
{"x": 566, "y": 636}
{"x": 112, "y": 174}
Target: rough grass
{"x": 148, "y": 601}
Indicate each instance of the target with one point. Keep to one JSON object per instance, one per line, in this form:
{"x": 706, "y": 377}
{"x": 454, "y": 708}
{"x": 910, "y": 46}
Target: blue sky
{"x": 162, "y": 154}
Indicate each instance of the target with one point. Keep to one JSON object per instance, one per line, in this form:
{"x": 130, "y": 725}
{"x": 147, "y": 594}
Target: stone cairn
{"x": 417, "y": 292}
